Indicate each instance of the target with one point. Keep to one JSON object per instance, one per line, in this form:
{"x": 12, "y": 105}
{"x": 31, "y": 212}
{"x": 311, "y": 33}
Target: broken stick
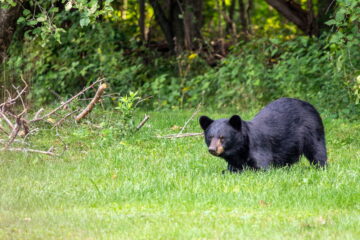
{"x": 191, "y": 118}
{"x": 181, "y": 135}
{"x": 91, "y": 105}
{"x": 49, "y": 152}
{"x": 66, "y": 102}
{"x": 64, "y": 118}
{"x": 142, "y": 123}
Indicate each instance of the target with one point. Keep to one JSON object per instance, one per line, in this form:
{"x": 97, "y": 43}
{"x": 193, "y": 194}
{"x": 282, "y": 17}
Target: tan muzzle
{"x": 216, "y": 147}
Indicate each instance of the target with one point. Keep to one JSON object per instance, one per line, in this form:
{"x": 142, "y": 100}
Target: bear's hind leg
{"x": 315, "y": 152}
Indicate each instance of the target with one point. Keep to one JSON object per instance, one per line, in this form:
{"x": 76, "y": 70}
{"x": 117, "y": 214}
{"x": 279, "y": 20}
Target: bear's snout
{"x": 216, "y": 147}
{"x": 212, "y": 151}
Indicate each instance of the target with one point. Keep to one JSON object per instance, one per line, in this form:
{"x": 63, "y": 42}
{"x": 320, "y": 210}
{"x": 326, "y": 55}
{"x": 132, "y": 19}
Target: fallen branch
{"x": 13, "y": 100}
{"x": 3, "y": 130}
{"x": 91, "y": 105}
{"x": 4, "y": 141}
{"x": 192, "y": 116}
{"x": 6, "y": 120}
{"x": 66, "y": 102}
{"x": 37, "y": 114}
{"x": 14, "y": 132}
{"x": 48, "y": 152}
{"x": 65, "y": 117}
{"x": 142, "y": 100}
{"x": 181, "y": 135}
{"x": 142, "y": 123}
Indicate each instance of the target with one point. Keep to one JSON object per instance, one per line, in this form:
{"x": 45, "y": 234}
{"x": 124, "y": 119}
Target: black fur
{"x": 278, "y": 135}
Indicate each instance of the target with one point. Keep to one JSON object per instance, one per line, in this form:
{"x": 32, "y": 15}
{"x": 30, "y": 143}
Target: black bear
{"x": 277, "y": 136}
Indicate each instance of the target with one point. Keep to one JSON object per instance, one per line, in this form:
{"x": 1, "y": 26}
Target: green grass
{"x": 143, "y": 187}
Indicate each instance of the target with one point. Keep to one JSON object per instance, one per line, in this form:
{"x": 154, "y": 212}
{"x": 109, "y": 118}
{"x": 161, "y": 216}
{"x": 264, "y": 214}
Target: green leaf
{"x": 331, "y": 22}
{"x": 54, "y": 10}
{"x": 32, "y": 22}
{"x": 340, "y": 15}
{"x": 21, "y": 20}
{"x": 84, "y": 22}
{"x": 41, "y": 19}
{"x": 26, "y": 12}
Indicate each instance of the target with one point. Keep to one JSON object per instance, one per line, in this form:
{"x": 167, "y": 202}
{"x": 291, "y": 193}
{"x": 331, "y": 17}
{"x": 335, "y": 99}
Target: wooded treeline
{"x": 184, "y": 51}
{"x": 182, "y": 21}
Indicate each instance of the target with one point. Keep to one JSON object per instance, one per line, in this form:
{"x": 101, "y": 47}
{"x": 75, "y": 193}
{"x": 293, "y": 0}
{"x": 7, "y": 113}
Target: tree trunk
{"x": 176, "y": 16}
{"x": 293, "y": 12}
{"x": 243, "y": 20}
{"x": 164, "y": 23}
{"x": 192, "y": 23}
{"x": 142, "y": 20}
{"x": 249, "y": 8}
{"x": 325, "y": 11}
{"x": 8, "y": 18}
{"x": 230, "y": 25}
{"x": 182, "y": 26}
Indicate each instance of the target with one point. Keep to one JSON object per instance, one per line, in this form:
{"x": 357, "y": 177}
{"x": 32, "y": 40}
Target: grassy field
{"x": 142, "y": 187}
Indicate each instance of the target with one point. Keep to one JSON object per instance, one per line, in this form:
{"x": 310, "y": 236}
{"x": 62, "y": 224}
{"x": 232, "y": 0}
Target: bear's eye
{"x": 221, "y": 139}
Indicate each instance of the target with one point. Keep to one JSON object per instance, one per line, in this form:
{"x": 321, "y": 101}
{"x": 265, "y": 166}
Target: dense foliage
{"x": 64, "y": 45}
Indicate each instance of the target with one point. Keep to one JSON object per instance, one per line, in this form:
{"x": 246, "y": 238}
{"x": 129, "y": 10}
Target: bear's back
{"x": 284, "y": 128}
{"x": 287, "y": 113}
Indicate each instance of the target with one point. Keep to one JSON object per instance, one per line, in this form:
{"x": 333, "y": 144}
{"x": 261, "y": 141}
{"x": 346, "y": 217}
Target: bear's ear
{"x": 205, "y": 122}
{"x": 235, "y": 122}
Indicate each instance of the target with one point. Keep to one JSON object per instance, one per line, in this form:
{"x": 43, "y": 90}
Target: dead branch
{"x": 142, "y": 100}
{"x": 142, "y": 123}
{"x": 26, "y": 127}
{"x": 19, "y": 126}
{"x": 37, "y": 114}
{"x": 11, "y": 100}
{"x": 20, "y": 96}
{"x": 192, "y": 116}
{"x": 4, "y": 141}
{"x": 14, "y": 132}
{"x": 67, "y": 102}
{"x": 6, "y": 120}
{"x": 3, "y": 130}
{"x": 48, "y": 152}
{"x": 181, "y": 135}
{"x": 65, "y": 117}
{"x": 29, "y": 133}
{"x": 91, "y": 105}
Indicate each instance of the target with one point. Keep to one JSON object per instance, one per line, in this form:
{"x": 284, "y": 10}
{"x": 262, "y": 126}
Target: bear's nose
{"x": 212, "y": 151}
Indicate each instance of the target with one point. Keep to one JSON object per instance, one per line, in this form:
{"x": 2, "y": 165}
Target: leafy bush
{"x": 324, "y": 71}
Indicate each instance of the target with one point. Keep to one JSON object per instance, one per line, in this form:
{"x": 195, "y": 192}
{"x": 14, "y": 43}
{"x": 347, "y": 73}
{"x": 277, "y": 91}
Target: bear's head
{"x": 223, "y": 136}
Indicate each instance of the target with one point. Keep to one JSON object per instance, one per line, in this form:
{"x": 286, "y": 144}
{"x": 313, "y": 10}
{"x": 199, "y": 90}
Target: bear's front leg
{"x": 232, "y": 169}
{"x": 260, "y": 159}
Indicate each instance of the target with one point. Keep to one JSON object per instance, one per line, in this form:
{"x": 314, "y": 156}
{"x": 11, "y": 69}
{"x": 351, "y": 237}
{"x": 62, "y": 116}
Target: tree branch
{"x": 91, "y": 105}
{"x": 67, "y": 102}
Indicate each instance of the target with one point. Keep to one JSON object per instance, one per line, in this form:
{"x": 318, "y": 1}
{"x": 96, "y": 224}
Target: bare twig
{"x": 19, "y": 94}
{"x": 65, "y": 117}
{"x": 142, "y": 123}
{"x": 67, "y": 102}
{"x": 91, "y": 105}
{"x": 6, "y": 120}
{"x": 3, "y": 130}
{"x": 65, "y": 146}
{"x": 29, "y": 133}
{"x": 14, "y": 132}
{"x": 192, "y": 116}
{"x": 37, "y": 114}
{"x": 142, "y": 100}
{"x": 4, "y": 141}
{"x": 48, "y": 152}
{"x": 181, "y": 135}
